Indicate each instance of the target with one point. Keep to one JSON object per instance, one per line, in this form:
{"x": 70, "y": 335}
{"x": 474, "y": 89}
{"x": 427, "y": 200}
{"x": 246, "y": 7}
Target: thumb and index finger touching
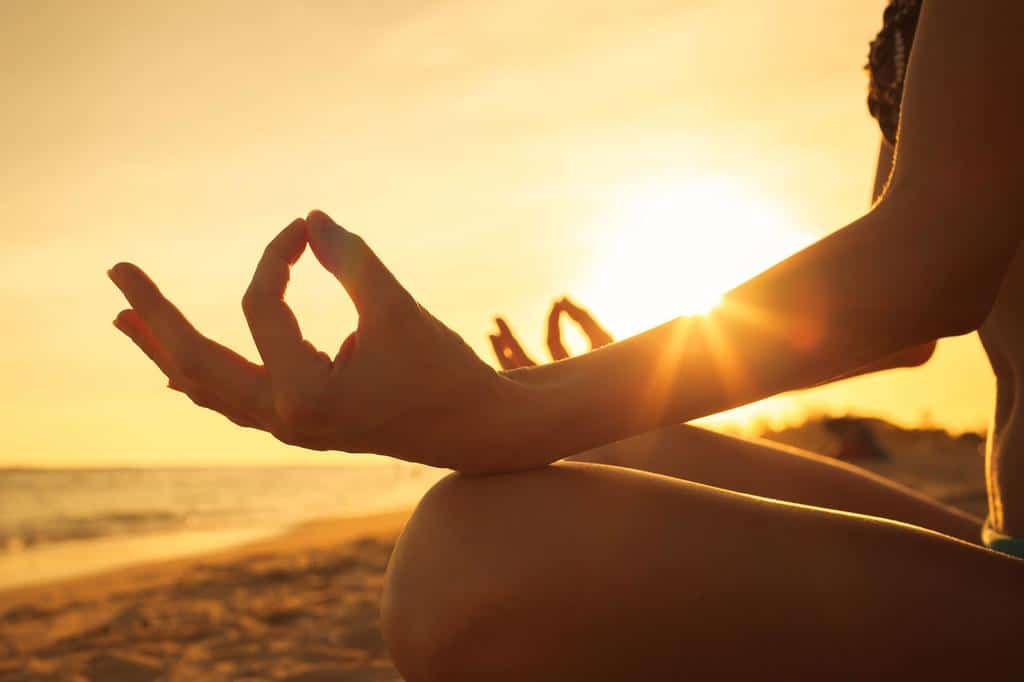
{"x": 272, "y": 323}
{"x": 274, "y": 326}
{"x": 345, "y": 255}
{"x": 597, "y": 334}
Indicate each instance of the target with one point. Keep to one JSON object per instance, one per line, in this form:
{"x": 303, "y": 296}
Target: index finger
{"x": 597, "y": 334}
{"x": 272, "y": 323}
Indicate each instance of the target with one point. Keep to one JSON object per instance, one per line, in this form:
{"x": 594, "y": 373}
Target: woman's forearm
{"x": 904, "y": 274}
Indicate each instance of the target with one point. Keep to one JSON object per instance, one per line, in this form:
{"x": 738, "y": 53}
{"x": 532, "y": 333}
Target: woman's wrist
{"x": 620, "y": 390}
{"x": 556, "y": 411}
{"x": 536, "y": 375}
{"x": 567, "y": 407}
{"x": 529, "y": 421}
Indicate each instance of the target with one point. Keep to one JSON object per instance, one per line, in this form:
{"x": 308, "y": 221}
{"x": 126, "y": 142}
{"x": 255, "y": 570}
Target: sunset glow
{"x": 674, "y": 246}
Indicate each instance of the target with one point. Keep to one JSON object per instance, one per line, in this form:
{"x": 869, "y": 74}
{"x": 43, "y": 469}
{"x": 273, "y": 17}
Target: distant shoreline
{"x": 56, "y": 562}
{"x": 304, "y": 535}
{"x": 61, "y": 523}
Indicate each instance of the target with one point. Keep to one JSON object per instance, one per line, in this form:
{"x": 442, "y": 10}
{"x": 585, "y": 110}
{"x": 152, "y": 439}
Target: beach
{"x": 302, "y": 606}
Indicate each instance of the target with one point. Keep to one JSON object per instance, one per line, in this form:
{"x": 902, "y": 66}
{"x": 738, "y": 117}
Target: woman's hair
{"x": 887, "y": 63}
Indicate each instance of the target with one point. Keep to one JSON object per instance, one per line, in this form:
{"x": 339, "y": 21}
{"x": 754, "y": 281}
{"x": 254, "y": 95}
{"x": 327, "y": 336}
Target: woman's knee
{"x": 486, "y": 566}
{"x": 479, "y": 551}
{"x": 444, "y": 575}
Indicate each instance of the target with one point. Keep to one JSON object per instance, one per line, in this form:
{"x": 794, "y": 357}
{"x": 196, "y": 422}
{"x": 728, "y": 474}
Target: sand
{"x": 301, "y": 607}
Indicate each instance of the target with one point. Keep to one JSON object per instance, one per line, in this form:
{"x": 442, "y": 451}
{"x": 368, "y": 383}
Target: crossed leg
{"x": 761, "y": 467}
{"x": 594, "y": 572}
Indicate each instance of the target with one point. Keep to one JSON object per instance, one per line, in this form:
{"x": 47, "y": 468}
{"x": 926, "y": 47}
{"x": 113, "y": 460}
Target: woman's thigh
{"x": 759, "y": 467}
{"x": 582, "y": 571}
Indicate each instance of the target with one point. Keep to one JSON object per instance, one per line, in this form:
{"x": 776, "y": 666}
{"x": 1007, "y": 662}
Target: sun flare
{"x": 675, "y": 246}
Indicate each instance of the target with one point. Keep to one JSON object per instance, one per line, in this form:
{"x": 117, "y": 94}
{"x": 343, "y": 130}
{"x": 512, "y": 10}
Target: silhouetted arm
{"x": 924, "y": 263}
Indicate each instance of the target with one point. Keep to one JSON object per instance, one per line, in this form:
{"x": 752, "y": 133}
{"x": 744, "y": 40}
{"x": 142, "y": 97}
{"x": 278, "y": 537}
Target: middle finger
{"x": 182, "y": 353}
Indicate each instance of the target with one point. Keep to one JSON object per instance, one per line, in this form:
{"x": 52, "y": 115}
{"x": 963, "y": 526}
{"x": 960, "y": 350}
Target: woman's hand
{"x": 507, "y": 348}
{"x": 402, "y": 384}
{"x": 595, "y": 333}
{"x": 511, "y": 354}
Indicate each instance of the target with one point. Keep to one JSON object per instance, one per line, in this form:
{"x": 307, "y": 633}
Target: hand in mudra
{"x": 402, "y": 384}
{"x": 511, "y": 354}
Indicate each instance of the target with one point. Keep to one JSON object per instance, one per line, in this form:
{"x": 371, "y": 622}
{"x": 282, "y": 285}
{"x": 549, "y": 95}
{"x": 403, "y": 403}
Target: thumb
{"x": 346, "y": 256}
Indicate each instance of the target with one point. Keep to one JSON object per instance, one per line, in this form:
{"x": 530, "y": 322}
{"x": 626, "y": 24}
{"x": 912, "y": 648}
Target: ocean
{"x": 61, "y": 523}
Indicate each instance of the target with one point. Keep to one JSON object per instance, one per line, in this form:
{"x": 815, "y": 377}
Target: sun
{"x": 671, "y": 247}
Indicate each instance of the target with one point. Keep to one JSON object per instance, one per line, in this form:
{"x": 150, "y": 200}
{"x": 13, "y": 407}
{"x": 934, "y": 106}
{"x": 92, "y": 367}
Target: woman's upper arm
{"x": 958, "y": 122}
{"x": 959, "y": 144}
{"x": 928, "y": 259}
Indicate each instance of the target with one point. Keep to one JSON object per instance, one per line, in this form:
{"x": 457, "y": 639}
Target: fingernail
{"x": 114, "y": 274}
{"x": 318, "y": 216}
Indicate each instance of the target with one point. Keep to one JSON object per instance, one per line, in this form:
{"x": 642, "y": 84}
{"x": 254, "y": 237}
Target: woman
{"x": 745, "y": 560}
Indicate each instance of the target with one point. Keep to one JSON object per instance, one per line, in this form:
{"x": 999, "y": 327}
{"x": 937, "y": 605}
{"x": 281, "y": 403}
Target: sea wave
{"x": 86, "y": 527}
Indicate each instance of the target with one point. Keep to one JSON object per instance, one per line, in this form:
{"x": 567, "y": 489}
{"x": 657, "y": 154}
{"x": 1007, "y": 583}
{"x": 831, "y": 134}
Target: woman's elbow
{"x": 967, "y": 238}
{"x": 917, "y": 355}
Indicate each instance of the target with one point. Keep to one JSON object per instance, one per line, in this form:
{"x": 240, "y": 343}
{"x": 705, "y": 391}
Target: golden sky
{"x": 641, "y": 156}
